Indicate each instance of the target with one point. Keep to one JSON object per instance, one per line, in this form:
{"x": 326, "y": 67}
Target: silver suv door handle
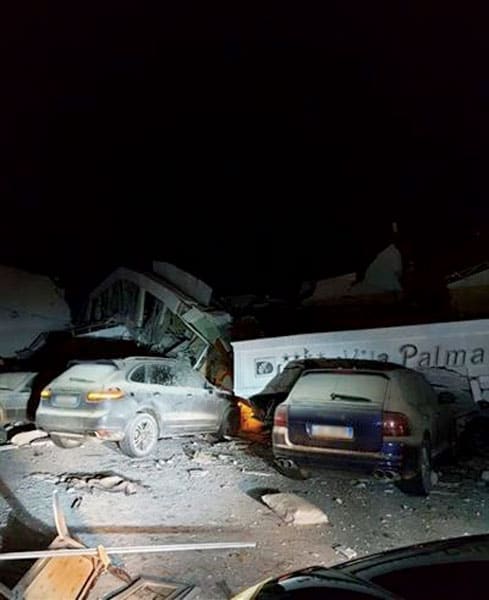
{"x": 156, "y": 394}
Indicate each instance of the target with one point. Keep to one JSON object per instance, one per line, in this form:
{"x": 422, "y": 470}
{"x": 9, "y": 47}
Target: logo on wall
{"x": 263, "y": 366}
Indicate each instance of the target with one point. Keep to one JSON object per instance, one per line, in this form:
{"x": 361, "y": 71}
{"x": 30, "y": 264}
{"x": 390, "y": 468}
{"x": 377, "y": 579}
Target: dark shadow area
{"x": 19, "y": 429}
{"x": 262, "y": 448}
{"x": 22, "y": 532}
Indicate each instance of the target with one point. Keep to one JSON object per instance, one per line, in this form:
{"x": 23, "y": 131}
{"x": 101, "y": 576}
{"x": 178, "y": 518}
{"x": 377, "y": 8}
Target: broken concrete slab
{"x": 345, "y": 551}
{"x": 105, "y": 482}
{"x": 256, "y": 473}
{"x": 26, "y": 437}
{"x": 203, "y": 457}
{"x": 294, "y": 510}
{"x": 39, "y": 442}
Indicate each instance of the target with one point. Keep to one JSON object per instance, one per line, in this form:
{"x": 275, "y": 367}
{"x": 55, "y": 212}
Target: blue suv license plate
{"x": 332, "y": 432}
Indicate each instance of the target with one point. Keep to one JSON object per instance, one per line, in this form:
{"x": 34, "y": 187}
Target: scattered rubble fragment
{"x": 485, "y": 476}
{"x": 39, "y": 442}
{"x": 203, "y": 457}
{"x": 434, "y": 478}
{"x": 256, "y": 473}
{"x": 161, "y": 462}
{"x": 48, "y": 477}
{"x": 26, "y": 437}
{"x": 345, "y": 551}
{"x": 100, "y": 481}
{"x": 361, "y": 485}
{"x": 294, "y": 510}
{"x": 197, "y": 472}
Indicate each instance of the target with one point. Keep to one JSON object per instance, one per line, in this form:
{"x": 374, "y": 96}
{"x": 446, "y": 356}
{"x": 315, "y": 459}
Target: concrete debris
{"x": 361, "y": 485}
{"x": 237, "y": 445}
{"x": 39, "y": 442}
{"x": 26, "y": 437}
{"x": 224, "y": 457}
{"x": 161, "y": 462}
{"x": 434, "y": 478}
{"x": 108, "y": 483}
{"x": 256, "y": 473}
{"x": 485, "y": 476}
{"x": 203, "y": 457}
{"x": 8, "y": 447}
{"x": 338, "y": 501}
{"x": 197, "y": 472}
{"x": 345, "y": 551}
{"x": 294, "y": 510}
{"x": 48, "y": 477}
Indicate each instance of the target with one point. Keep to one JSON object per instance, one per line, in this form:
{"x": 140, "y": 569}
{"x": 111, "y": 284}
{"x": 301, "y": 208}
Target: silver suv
{"x": 133, "y": 401}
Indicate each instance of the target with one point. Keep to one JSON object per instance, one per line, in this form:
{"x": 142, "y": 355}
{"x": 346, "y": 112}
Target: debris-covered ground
{"x": 193, "y": 490}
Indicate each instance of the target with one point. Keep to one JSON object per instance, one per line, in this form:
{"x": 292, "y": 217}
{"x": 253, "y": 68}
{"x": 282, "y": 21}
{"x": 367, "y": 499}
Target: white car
{"x": 15, "y": 391}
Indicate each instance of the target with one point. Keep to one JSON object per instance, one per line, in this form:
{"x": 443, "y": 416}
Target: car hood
{"x": 385, "y": 574}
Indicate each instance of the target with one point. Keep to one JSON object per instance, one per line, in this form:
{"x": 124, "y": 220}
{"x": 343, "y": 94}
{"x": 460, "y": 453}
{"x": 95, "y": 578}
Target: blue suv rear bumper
{"x": 394, "y": 458}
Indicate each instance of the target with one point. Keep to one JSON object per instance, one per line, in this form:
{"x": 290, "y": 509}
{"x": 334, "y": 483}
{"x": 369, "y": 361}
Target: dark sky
{"x": 249, "y": 146}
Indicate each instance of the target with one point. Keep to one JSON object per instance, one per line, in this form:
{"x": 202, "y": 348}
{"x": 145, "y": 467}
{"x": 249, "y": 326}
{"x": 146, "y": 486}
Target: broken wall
{"x": 164, "y": 320}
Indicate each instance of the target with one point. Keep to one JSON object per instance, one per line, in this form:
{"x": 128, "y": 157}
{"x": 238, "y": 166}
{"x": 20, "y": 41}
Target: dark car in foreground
{"x": 368, "y": 416}
{"x": 444, "y": 569}
{"x": 134, "y": 401}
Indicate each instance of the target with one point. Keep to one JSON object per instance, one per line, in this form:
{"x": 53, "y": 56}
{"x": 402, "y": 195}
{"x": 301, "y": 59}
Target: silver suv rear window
{"x": 86, "y": 373}
{"x": 339, "y": 387}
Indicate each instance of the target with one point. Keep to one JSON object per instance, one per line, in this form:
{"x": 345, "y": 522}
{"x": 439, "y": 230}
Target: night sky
{"x": 251, "y": 147}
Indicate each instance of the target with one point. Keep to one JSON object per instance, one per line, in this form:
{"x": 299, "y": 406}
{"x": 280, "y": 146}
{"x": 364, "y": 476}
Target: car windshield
{"x": 334, "y": 387}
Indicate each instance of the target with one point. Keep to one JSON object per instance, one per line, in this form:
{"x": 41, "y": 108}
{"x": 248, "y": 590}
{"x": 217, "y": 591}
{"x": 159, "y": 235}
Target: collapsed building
{"x": 166, "y": 311}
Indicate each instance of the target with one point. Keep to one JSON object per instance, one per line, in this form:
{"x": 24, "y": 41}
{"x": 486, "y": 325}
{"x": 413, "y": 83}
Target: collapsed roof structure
{"x": 167, "y": 311}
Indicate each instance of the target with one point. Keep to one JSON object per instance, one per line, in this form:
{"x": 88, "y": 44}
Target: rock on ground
{"x": 295, "y": 510}
{"x": 26, "y": 437}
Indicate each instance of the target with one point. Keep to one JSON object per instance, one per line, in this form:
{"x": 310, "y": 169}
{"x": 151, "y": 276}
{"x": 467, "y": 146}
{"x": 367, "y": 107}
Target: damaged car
{"x": 370, "y": 416}
{"x": 134, "y": 401}
{"x": 15, "y": 391}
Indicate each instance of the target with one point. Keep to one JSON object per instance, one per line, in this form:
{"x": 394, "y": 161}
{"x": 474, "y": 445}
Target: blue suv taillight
{"x": 395, "y": 425}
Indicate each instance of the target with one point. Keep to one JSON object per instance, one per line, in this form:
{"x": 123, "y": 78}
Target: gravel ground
{"x": 194, "y": 491}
